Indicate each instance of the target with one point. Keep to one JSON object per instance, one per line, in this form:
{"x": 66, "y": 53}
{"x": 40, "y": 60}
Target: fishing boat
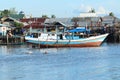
{"x": 71, "y": 38}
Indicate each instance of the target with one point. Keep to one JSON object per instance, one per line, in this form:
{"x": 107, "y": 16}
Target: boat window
{"x": 35, "y": 35}
{"x": 61, "y": 36}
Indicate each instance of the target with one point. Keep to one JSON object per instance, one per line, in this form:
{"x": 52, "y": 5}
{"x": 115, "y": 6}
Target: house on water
{"x": 3, "y": 29}
{"x": 33, "y": 24}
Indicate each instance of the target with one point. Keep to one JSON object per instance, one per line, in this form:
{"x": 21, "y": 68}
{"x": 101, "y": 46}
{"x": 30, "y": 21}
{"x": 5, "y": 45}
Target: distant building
{"x": 3, "y": 30}
{"x": 66, "y": 21}
{"x": 36, "y": 24}
{"x": 88, "y": 15}
{"x": 9, "y": 21}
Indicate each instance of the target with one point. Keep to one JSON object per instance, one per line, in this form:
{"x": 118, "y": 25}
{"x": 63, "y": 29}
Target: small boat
{"x": 72, "y": 38}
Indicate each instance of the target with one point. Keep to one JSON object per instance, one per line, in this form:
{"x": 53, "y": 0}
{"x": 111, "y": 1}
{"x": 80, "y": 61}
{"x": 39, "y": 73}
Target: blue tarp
{"x": 80, "y": 29}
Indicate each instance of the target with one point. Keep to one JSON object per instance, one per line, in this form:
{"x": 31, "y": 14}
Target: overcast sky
{"x": 62, "y": 8}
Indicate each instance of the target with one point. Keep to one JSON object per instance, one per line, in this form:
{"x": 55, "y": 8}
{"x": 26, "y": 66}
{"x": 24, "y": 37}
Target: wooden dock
{"x": 14, "y": 40}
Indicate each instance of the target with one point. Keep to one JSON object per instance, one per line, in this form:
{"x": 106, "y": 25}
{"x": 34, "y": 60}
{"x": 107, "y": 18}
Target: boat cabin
{"x": 47, "y": 36}
{"x": 79, "y": 32}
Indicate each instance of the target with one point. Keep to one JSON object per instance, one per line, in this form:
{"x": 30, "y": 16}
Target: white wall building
{"x": 3, "y": 29}
{"x": 88, "y": 15}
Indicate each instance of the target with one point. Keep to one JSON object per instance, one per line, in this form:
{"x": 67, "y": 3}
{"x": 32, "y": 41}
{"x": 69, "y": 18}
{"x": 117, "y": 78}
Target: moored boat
{"x": 48, "y": 40}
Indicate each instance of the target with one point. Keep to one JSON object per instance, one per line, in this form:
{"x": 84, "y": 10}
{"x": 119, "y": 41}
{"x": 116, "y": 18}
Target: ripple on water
{"x": 91, "y": 63}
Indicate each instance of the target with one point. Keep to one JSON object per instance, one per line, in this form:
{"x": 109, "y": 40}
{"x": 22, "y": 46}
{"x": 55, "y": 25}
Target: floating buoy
{"x": 29, "y": 52}
{"x": 45, "y": 52}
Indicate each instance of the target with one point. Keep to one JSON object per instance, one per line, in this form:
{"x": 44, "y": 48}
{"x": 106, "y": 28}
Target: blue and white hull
{"x": 93, "y": 41}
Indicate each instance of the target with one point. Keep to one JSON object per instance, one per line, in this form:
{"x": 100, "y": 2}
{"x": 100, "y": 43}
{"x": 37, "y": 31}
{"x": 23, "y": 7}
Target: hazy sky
{"x": 61, "y": 8}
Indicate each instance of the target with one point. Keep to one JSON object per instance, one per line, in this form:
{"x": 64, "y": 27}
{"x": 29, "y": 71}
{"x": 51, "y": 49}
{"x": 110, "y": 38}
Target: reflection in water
{"x": 4, "y": 50}
{"x": 95, "y": 63}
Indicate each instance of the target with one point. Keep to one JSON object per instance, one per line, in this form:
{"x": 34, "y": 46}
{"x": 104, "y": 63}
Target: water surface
{"x": 21, "y": 62}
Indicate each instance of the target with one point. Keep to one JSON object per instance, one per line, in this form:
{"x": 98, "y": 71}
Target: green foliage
{"x": 18, "y": 25}
{"x": 5, "y": 12}
{"x": 92, "y": 11}
{"x": 11, "y": 13}
{"x": 53, "y": 16}
{"x": 111, "y": 14}
{"x": 45, "y": 16}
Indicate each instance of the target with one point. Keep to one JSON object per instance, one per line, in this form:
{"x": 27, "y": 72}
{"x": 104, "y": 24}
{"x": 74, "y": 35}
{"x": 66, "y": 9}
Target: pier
{"x": 114, "y": 33}
{"x": 14, "y": 40}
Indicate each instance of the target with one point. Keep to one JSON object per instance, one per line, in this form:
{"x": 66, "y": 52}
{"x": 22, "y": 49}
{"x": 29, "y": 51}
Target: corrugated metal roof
{"x": 66, "y": 21}
{"x": 3, "y": 25}
{"x": 94, "y": 21}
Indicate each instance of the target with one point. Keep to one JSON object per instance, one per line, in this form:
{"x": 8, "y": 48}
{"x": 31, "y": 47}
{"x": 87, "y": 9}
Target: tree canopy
{"x": 45, "y": 16}
{"x": 53, "y": 16}
{"x": 18, "y": 25}
{"x": 111, "y": 14}
{"x": 11, "y": 13}
{"x": 92, "y": 10}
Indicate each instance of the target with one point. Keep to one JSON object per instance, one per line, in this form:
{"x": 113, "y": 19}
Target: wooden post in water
{"x": 7, "y": 39}
{"x": 22, "y": 39}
